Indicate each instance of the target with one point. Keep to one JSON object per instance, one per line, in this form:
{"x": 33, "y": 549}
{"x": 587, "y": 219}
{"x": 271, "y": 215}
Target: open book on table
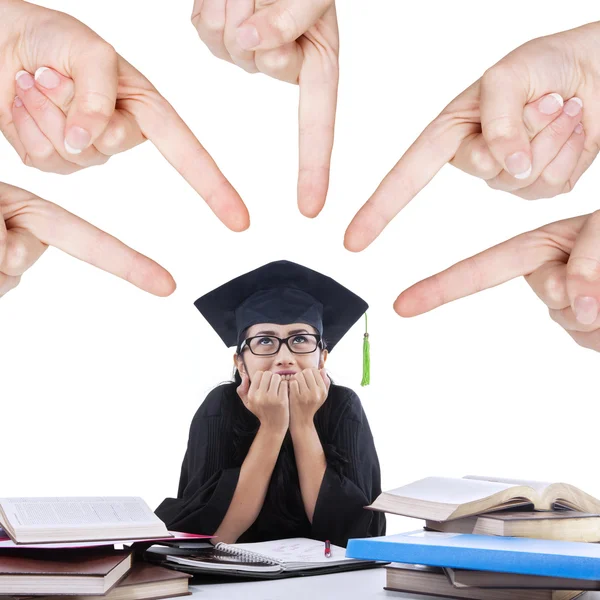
{"x": 47, "y": 520}
{"x": 445, "y": 498}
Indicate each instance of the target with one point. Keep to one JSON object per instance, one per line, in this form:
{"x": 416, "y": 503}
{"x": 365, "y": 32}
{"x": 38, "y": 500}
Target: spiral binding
{"x": 246, "y": 555}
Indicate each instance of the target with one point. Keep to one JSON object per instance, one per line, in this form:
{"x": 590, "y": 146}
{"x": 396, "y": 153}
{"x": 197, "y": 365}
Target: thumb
{"x": 503, "y": 98}
{"x": 583, "y": 272}
{"x": 280, "y": 23}
{"x": 95, "y": 75}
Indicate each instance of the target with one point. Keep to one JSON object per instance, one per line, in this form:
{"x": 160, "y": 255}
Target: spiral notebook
{"x": 268, "y": 558}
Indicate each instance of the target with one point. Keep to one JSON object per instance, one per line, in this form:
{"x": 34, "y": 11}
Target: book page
{"x": 538, "y": 486}
{"x": 77, "y": 512}
{"x": 295, "y": 550}
{"x": 450, "y": 490}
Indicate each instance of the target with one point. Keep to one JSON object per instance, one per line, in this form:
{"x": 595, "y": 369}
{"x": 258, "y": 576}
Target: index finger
{"x": 55, "y": 226}
{"x": 160, "y": 123}
{"x": 519, "y": 256}
{"x": 436, "y": 146}
{"x": 319, "y": 80}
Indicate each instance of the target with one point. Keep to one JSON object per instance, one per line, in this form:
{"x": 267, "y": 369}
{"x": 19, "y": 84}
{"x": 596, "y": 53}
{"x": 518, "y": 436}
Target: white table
{"x": 351, "y": 584}
{"x": 347, "y": 586}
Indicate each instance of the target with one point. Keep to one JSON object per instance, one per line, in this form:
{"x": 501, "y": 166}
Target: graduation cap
{"x": 284, "y": 292}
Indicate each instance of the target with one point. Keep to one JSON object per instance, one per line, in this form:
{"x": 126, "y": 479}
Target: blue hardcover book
{"x": 577, "y": 560}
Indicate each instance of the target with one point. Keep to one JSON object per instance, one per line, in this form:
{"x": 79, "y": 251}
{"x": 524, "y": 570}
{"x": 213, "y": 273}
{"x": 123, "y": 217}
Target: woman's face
{"x": 284, "y": 362}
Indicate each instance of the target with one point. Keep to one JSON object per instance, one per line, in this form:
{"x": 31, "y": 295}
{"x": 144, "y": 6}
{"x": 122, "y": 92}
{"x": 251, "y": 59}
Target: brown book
{"x": 46, "y": 520}
{"x": 90, "y": 572}
{"x": 445, "y": 498}
{"x": 144, "y": 582}
{"x": 432, "y": 581}
{"x": 463, "y": 578}
{"x": 566, "y": 525}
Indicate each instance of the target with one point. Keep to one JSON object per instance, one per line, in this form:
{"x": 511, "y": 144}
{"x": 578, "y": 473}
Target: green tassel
{"x": 366, "y": 378}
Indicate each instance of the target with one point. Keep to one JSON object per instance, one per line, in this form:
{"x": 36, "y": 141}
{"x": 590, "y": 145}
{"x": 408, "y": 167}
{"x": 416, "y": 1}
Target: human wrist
{"x": 302, "y": 425}
{"x": 273, "y": 430}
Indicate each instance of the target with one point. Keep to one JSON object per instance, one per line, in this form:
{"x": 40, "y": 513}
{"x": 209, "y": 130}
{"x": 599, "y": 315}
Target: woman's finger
{"x": 549, "y": 283}
{"x": 23, "y": 249}
{"x": 278, "y": 23}
{"x": 56, "y": 87}
{"x": 566, "y": 318}
{"x": 94, "y": 70}
{"x": 52, "y": 121}
{"x": 539, "y": 114}
{"x": 545, "y": 147}
{"x": 54, "y": 226}
{"x": 583, "y": 272}
{"x": 516, "y": 257}
{"x": 159, "y": 122}
{"x": 474, "y": 156}
{"x": 436, "y": 146}
{"x": 284, "y": 63}
{"x": 502, "y": 99}
{"x": 319, "y": 79}
{"x": 235, "y": 14}
{"x": 209, "y": 20}
{"x": 557, "y": 177}
{"x": 587, "y": 340}
{"x": 38, "y": 150}
{"x": 8, "y": 283}
{"x": 121, "y": 134}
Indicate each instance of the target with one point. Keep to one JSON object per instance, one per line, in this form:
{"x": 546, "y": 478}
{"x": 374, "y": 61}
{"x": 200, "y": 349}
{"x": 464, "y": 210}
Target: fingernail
{"x": 573, "y": 107}
{"x": 550, "y": 104}
{"x": 18, "y": 102}
{"x": 47, "y": 78}
{"x": 579, "y": 128}
{"x": 518, "y": 165}
{"x": 76, "y": 140}
{"x": 247, "y": 37}
{"x": 585, "y": 309}
{"x": 24, "y": 80}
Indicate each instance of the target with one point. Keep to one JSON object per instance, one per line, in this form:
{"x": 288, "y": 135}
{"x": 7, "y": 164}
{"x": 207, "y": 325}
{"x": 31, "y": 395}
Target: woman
{"x": 281, "y": 451}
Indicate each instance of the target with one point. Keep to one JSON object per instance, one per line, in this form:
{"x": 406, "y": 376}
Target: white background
{"x": 99, "y": 380}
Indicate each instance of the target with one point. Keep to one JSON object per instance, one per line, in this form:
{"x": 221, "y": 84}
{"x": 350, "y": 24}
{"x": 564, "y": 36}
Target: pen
{"x": 327, "y": 549}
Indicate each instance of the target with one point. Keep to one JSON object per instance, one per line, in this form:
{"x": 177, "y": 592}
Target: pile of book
{"x": 84, "y": 548}
{"x": 490, "y": 539}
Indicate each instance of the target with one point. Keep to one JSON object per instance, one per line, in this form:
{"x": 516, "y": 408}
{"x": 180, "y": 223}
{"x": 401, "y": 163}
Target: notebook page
{"x": 296, "y": 553}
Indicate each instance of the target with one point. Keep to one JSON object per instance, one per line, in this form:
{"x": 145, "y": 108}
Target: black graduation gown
{"x": 211, "y": 468}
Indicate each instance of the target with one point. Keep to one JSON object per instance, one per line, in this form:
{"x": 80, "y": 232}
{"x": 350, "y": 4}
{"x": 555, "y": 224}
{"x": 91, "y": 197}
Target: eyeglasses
{"x": 269, "y": 345}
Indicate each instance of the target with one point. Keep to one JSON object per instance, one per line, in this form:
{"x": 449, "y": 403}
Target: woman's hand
{"x": 28, "y": 225}
{"x": 308, "y": 392}
{"x": 560, "y": 261}
{"x": 69, "y": 101}
{"x": 267, "y": 398}
{"x": 295, "y": 41}
{"x": 486, "y": 130}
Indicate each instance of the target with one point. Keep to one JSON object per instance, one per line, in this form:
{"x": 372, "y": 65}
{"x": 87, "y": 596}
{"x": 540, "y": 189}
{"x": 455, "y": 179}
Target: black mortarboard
{"x": 281, "y": 292}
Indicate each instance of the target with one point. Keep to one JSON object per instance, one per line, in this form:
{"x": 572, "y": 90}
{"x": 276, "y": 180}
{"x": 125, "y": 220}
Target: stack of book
{"x": 83, "y": 548}
{"x": 490, "y": 539}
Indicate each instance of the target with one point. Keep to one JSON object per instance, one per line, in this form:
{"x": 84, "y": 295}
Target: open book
{"x": 45, "y": 520}
{"x": 273, "y": 557}
{"x": 445, "y": 498}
